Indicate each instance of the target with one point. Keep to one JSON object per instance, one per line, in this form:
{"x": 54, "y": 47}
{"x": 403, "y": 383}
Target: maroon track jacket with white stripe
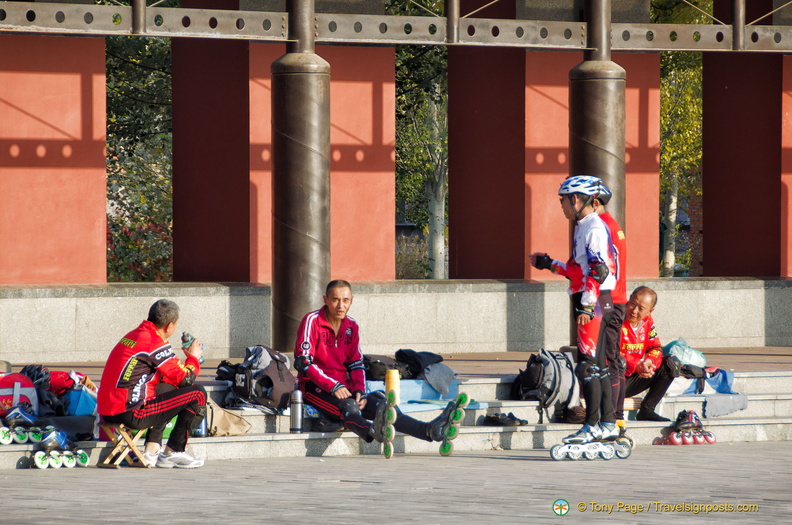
{"x": 330, "y": 354}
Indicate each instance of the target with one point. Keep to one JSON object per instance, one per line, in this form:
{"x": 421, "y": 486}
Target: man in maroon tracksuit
{"x": 127, "y": 392}
{"x": 330, "y": 371}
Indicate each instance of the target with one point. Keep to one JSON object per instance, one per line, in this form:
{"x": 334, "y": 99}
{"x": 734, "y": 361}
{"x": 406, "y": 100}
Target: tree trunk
{"x": 669, "y": 220}
{"x": 436, "y": 239}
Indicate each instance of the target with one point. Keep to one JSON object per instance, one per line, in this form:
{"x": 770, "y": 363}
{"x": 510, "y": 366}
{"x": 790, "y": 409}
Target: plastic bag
{"x": 683, "y": 352}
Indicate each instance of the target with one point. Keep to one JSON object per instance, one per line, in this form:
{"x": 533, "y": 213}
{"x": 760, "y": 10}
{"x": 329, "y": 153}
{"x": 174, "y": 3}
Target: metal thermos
{"x": 296, "y": 409}
{"x": 200, "y": 430}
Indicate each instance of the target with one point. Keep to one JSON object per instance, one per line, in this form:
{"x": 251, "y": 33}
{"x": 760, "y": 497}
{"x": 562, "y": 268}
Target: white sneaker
{"x": 178, "y": 460}
{"x": 151, "y": 457}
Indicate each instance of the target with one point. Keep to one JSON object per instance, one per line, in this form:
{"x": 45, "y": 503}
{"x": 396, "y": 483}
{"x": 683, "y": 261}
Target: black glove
{"x": 543, "y": 262}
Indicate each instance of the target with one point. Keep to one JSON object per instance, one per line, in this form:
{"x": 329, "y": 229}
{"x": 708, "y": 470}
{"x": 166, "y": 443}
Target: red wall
{"x": 362, "y": 143}
{"x": 52, "y": 160}
{"x": 742, "y": 164}
{"x": 211, "y": 170}
{"x": 503, "y": 204}
{"x": 547, "y": 148}
{"x": 786, "y": 170}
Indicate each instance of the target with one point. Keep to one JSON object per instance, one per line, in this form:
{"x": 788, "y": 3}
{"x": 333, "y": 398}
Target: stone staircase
{"x": 768, "y": 417}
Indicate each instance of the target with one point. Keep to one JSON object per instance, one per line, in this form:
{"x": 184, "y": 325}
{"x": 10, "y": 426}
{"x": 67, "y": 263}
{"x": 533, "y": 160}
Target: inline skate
{"x": 623, "y": 437}
{"x": 591, "y": 442}
{"x": 20, "y": 427}
{"x": 449, "y": 421}
{"x": 688, "y": 430}
{"x": 57, "y": 451}
{"x": 384, "y": 432}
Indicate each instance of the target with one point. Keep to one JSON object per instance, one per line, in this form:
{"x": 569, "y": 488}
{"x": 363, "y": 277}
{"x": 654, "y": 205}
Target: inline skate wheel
{"x": 82, "y": 458}
{"x": 446, "y": 448}
{"x": 55, "y": 459}
{"x": 590, "y": 454}
{"x": 698, "y": 439}
{"x": 557, "y": 452}
{"x": 35, "y": 434}
{"x": 687, "y": 438}
{"x": 387, "y": 450}
{"x": 69, "y": 460}
{"x": 463, "y": 399}
{"x": 608, "y": 452}
{"x": 624, "y": 439}
{"x": 458, "y": 415}
{"x": 6, "y": 436}
{"x": 574, "y": 454}
{"x": 675, "y": 438}
{"x": 389, "y": 433}
{"x": 452, "y": 432}
{"x": 622, "y": 450}
{"x": 20, "y": 435}
{"x": 709, "y": 437}
{"x": 391, "y": 397}
{"x": 40, "y": 459}
{"x": 390, "y": 416}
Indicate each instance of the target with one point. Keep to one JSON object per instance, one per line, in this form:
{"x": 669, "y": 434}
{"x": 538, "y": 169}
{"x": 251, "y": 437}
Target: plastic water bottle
{"x": 296, "y": 409}
{"x": 187, "y": 340}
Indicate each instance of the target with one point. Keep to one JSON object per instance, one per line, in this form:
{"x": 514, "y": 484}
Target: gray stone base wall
{"x": 82, "y": 323}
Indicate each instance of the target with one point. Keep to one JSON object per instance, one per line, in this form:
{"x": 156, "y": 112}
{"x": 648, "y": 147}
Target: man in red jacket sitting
{"x": 646, "y": 368}
{"x": 127, "y": 392}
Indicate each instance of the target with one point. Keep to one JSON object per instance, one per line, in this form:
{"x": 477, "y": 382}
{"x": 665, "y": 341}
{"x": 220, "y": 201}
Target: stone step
{"x": 476, "y": 438}
{"x": 499, "y": 387}
{"x": 759, "y": 406}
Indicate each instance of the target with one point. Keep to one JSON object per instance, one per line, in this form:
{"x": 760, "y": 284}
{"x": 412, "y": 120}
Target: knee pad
{"x": 587, "y": 370}
{"x": 349, "y": 408}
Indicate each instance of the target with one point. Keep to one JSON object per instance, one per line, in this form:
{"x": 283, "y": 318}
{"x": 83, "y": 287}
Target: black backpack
{"x": 375, "y": 367}
{"x": 263, "y": 378}
{"x": 549, "y": 377}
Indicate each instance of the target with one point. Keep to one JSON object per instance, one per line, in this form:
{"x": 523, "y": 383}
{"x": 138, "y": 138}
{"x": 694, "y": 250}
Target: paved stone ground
{"x": 503, "y": 487}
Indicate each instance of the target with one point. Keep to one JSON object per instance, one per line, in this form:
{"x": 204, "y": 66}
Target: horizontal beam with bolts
{"x": 379, "y": 30}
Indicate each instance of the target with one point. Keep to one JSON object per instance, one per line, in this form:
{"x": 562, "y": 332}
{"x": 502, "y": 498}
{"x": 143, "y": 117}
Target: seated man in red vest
{"x": 127, "y": 392}
{"x": 646, "y": 368}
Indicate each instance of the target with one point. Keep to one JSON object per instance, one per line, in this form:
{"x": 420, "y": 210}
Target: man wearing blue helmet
{"x": 593, "y": 271}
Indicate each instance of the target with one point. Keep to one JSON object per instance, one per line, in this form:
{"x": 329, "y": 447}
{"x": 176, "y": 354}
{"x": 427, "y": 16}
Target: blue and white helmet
{"x": 586, "y": 185}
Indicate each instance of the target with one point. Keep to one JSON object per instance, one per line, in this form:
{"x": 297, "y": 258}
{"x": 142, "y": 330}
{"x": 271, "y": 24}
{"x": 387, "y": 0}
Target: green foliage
{"x": 421, "y": 120}
{"x": 412, "y": 258}
{"x": 681, "y": 100}
{"x": 139, "y": 138}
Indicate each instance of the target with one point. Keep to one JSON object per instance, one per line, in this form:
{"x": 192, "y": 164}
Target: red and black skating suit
{"x": 641, "y": 343}
{"x": 595, "y": 246}
{"x": 127, "y": 390}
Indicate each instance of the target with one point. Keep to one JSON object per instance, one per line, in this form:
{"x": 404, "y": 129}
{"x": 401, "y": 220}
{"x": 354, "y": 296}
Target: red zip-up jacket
{"x": 128, "y": 376}
{"x": 334, "y": 360}
{"x": 640, "y": 343}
